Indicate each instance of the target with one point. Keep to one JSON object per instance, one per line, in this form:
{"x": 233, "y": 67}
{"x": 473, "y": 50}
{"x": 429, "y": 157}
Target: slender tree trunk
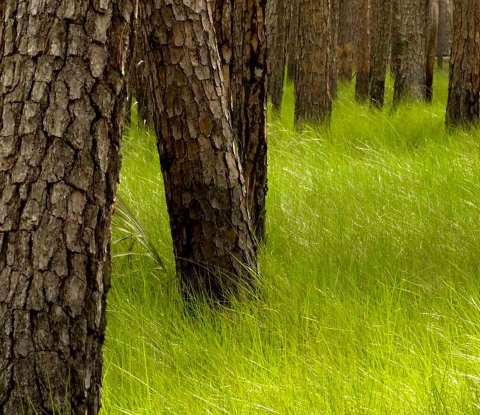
{"x": 277, "y": 40}
{"x": 381, "y": 23}
{"x": 410, "y": 81}
{"x": 345, "y": 47}
{"x": 362, "y": 34}
{"x": 463, "y": 106}
{"x": 432, "y": 28}
{"x": 396, "y": 37}
{"x": 313, "y": 103}
{"x": 62, "y": 105}
{"x": 442, "y": 32}
{"x": 245, "y": 54}
{"x": 334, "y": 16}
{"x": 293, "y": 8}
{"x": 204, "y": 185}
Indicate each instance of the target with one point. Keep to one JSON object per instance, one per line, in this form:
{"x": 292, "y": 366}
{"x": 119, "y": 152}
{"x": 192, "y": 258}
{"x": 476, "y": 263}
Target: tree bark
{"x": 204, "y": 186}
{"x": 381, "y": 23}
{"x": 396, "y": 38}
{"x": 246, "y": 58}
{"x": 463, "y": 107}
{"x": 345, "y": 47}
{"x": 432, "y": 30}
{"x": 313, "y": 103}
{"x": 62, "y": 105}
{"x": 441, "y": 34}
{"x": 334, "y": 16}
{"x": 410, "y": 81}
{"x": 293, "y": 38}
{"x": 362, "y": 35}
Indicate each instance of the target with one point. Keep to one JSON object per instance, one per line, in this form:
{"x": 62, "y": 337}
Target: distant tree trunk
{"x": 432, "y": 29}
{"x": 245, "y": 53}
{"x": 410, "y": 81}
{"x": 345, "y": 47}
{"x": 463, "y": 106}
{"x": 62, "y": 106}
{"x": 204, "y": 185}
{"x": 396, "y": 38}
{"x": 313, "y": 103}
{"x": 362, "y": 50}
{"x": 334, "y": 16}
{"x": 277, "y": 40}
{"x": 381, "y": 23}
{"x": 442, "y": 32}
{"x": 293, "y": 38}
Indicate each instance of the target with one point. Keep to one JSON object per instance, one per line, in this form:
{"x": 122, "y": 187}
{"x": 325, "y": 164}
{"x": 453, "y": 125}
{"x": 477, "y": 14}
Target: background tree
{"x": 62, "y": 104}
{"x": 334, "y": 28}
{"x": 293, "y": 37}
{"x": 444, "y": 37}
{"x": 362, "y": 50}
{"x": 381, "y": 23}
{"x": 432, "y": 30}
{"x": 345, "y": 47}
{"x": 204, "y": 186}
{"x": 463, "y": 105}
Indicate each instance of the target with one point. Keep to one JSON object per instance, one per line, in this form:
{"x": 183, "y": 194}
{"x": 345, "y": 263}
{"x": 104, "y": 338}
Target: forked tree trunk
{"x": 381, "y": 23}
{"x": 293, "y": 10}
{"x": 334, "y": 16}
{"x": 432, "y": 29}
{"x": 204, "y": 186}
{"x": 62, "y": 105}
{"x": 362, "y": 50}
{"x": 246, "y": 58}
{"x": 463, "y": 107}
{"x": 313, "y": 103}
{"x": 345, "y": 47}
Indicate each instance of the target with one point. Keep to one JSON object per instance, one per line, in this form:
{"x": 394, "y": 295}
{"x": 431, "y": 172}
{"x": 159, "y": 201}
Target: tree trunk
{"x": 362, "y": 35}
{"x": 62, "y": 106}
{"x": 396, "y": 37}
{"x": 204, "y": 186}
{"x": 442, "y": 32}
{"x": 463, "y": 106}
{"x": 293, "y": 10}
{"x": 345, "y": 47}
{"x": 410, "y": 81}
{"x": 381, "y": 23}
{"x": 432, "y": 29}
{"x": 313, "y": 103}
{"x": 334, "y": 16}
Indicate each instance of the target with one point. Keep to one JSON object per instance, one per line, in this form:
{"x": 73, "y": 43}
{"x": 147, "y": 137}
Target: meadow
{"x": 369, "y": 294}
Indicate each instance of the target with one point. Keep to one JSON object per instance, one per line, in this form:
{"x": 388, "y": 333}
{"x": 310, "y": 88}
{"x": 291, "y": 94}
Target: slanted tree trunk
{"x": 442, "y": 32}
{"x": 432, "y": 29}
{"x": 334, "y": 16}
{"x": 381, "y": 23}
{"x": 362, "y": 50}
{"x": 463, "y": 107}
{"x": 205, "y": 190}
{"x": 277, "y": 41}
{"x": 410, "y": 81}
{"x": 293, "y": 8}
{"x": 62, "y": 105}
{"x": 345, "y": 47}
{"x": 313, "y": 103}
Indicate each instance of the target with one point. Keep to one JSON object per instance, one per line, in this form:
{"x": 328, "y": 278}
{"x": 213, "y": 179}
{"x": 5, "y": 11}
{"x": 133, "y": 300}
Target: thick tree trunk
{"x": 432, "y": 29}
{"x": 277, "y": 41}
{"x": 62, "y": 105}
{"x": 313, "y": 103}
{"x": 362, "y": 35}
{"x": 334, "y": 16}
{"x": 204, "y": 185}
{"x": 246, "y": 57}
{"x": 345, "y": 47}
{"x": 410, "y": 81}
{"x": 293, "y": 10}
{"x": 381, "y": 23}
{"x": 463, "y": 106}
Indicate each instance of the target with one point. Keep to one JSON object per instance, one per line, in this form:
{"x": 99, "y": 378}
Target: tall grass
{"x": 370, "y": 279}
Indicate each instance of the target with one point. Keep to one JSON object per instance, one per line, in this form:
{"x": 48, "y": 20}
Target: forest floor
{"x": 371, "y": 280}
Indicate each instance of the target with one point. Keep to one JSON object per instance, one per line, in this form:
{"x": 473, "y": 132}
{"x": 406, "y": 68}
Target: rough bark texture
{"x": 410, "y": 80}
{"x": 381, "y": 23}
{"x": 204, "y": 185}
{"x": 345, "y": 47}
{"x": 362, "y": 35}
{"x": 432, "y": 28}
{"x": 245, "y": 53}
{"x": 62, "y": 104}
{"x": 464, "y": 86}
{"x": 313, "y": 103}
{"x": 334, "y": 16}
{"x": 293, "y": 11}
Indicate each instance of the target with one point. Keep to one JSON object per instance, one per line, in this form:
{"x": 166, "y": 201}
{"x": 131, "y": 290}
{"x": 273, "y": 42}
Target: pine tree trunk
{"x": 410, "y": 81}
{"x": 463, "y": 105}
{"x": 396, "y": 38}
{"x": 293, "y": 38}
{"x": 345, "y": 47}
{"x": 334, "y": 16}
{"x": 441, "y": 35}
{"x": 62, "y": 106}
{"x": 381, "y": 23}
{"x": 277, "y": 41}
{"x": 362, "y": 35}
{"x": 432, "y": 29}
{"x": 313, "y": 103}
{"x": 204, "y": 186}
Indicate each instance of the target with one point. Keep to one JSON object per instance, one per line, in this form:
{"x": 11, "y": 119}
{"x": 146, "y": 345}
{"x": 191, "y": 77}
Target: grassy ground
{"x": 371, "y": 293}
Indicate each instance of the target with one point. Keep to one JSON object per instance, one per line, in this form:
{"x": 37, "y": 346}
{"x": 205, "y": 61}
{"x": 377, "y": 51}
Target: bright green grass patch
{"x": 370, "y": 289}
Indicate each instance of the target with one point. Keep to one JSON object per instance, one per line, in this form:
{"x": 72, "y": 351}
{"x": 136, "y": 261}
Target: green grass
{"x": 370, "y": 289}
